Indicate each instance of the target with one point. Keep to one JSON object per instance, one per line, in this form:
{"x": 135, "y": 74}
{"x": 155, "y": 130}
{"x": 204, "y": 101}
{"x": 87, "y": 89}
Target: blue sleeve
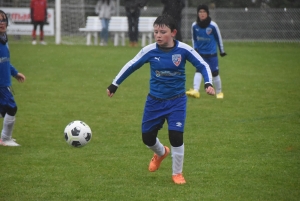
{"x": 138, "y": 61}
{"x": 13, "y": 71}
{"x": 200, "y": 65}
{"x": 194, "y": 35}
{"x": 218, "y": 37}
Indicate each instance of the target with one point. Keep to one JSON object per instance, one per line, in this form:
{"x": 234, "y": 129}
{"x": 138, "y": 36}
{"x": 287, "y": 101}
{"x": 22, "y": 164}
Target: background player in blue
{"x": 166, "y": 99}
{"x": 8, "y": 107}
{"x": 206, "y": 37}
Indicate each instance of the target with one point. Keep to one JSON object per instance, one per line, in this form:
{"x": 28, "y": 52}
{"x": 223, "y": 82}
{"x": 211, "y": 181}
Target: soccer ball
{"x": 77, "y": 133}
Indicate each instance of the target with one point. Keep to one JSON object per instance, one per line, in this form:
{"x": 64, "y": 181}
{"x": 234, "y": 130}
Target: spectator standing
{"x": 206, "y": 36}
{"x": 174, "y": 8}
{"x": 38, "y": 14}
{"x": 133, "y": 13}
{"x": 105, "y": 9}
{"x": 8, "y": 106}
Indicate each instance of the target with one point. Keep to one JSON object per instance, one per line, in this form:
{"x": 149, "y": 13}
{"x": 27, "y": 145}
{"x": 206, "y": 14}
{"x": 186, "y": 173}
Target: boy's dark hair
{"x": 2, "y": 12}
{"x": 165, "y": 20}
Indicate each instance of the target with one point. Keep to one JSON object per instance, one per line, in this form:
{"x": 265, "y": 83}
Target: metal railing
{"x": 254, "y": 24}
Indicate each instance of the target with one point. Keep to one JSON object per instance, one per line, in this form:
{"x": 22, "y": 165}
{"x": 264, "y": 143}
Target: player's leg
{"x": 2, "y": 112}
{"x": 217, "y": 84}
{"x": 136, "y": 16}
{"x": 214, "y": 66}
{"x": 8, "y": 110}
{"x": 177, "y": 149}
{"x": 197, "y": 80}
{"x": 160, "y": 151}
{"x": 42, "y": 33}
{"x": 106, "y": 21}
{"x": 130, "y": 26}
{"x": 33, "y": 35}
{"x": 8, "y": 123}
{"x": 196, "y": 86}
{"x": 103, "y": 32}
{"x": 176, "y": 122}
{"x": 153, "y": 120}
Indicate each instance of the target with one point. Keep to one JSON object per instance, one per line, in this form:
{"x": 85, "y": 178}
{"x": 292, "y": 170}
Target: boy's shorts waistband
{"x": 162, "y": 99}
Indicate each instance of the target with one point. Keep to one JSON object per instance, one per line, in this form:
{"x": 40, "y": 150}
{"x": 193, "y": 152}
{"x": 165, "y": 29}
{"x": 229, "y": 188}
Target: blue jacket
{"x": 6, "y": 69}
{"x": 206, "y": 40}
{"x": 167, "y": 69}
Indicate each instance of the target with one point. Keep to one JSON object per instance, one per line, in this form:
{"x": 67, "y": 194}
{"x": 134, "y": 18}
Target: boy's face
{"x": 2, "y": 23}
{"x": 163, "y": 35}
{"x": 202, "y": 14}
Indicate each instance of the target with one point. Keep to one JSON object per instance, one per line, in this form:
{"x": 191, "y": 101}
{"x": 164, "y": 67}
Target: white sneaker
{"x": 9, "y": 143}
{"x": 34, "y": 42}
{"x": 43, "y": 43}
{"x": 102, "y": 43}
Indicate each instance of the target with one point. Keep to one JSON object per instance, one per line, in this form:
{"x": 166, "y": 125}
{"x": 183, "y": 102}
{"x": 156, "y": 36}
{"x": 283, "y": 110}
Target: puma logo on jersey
{"x": 157, "y": 58}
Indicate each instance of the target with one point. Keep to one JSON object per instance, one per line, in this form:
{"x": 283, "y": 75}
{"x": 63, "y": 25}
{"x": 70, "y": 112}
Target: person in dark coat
{"x": 174, "y": 8}
{"x": 133, "y": 12}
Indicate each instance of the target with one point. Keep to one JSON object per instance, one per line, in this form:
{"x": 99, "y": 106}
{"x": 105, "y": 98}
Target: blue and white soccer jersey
{"x": 166, "y": 99}
{"x": 205, "y": 42}
{"x": 6, "y": 71}
{"x": 167, "y": 69}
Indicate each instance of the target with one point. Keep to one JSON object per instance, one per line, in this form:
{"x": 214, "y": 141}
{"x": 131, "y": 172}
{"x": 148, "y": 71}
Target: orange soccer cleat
{"x": 156, "y": 160}
{"x": 178, "y": 179}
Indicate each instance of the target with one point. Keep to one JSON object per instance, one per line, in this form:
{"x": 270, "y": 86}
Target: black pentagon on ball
{"x": 88, "y": 137}
{"x": 76, "y": 144}
{"x": 66, "y": 136}
{"x": 75, "y": 131}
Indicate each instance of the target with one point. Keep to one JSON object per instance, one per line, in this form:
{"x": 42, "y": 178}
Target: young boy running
{"x": 8, "y": 106}
{"x": 166, "y": 99}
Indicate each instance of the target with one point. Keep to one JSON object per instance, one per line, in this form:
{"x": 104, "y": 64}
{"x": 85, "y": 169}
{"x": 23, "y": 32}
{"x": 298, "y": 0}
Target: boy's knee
{"x": 176, "y": 138}
{"x": 149, "y": 138}
{"x": 11, "y": 111}
{"x": 215, "y": 73}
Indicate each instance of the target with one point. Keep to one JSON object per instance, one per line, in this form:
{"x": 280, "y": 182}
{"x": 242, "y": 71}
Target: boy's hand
{"x": 223, "y": 54}
{"x": 210, "y": 90}
{"x": 20, "y": 77}
{"x": 111, "y": 90}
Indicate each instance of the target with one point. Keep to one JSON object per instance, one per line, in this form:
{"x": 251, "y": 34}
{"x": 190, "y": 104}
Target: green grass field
{"x": 244, "y": 147}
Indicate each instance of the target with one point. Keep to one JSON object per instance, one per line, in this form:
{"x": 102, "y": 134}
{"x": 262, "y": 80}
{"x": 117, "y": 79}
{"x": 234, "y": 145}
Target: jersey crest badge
{"x": 176, "y": 58}
{"x": 208, "y": 30}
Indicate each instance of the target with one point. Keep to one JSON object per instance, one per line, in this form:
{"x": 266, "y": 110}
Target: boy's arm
{"x": 194, "y": 36}
{"x": 204, "y": 69}
{"x": 218, "y": 38}
{"x": 201, "y": 66}
{"x": 131, "y": 66}
{"x": 13, "y": 71}
{"x": 19, "y": 76}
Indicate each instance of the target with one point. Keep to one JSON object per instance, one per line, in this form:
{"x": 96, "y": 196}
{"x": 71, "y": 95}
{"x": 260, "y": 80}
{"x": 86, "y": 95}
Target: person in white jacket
{"x": 105, "y": 9}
